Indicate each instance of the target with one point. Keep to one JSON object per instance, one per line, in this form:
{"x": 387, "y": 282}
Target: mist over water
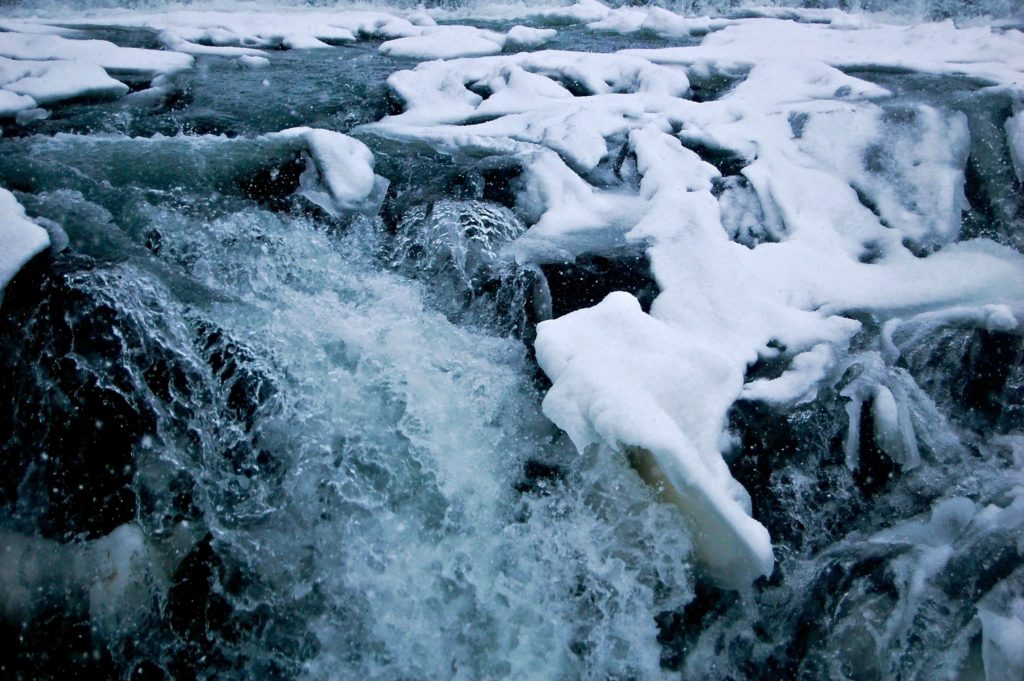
{"x": 910, "y": 9}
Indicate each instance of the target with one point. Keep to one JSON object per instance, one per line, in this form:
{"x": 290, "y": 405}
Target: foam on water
{"x": 401, "y": 518}
{"x": 393, "y": 527}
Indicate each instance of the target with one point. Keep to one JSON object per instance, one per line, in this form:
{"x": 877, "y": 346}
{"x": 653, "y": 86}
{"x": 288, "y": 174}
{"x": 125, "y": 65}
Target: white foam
{"x": 1002, "y": 646}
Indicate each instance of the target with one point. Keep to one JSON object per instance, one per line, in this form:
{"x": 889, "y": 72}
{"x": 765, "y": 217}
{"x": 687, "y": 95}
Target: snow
{"x": 583, "y": 12}
{"x": 604, "y": 146}
{"x": 176, "y": 43}
{"x": 65, "y": 66}
{"x": 11, "y": 103}
{"x": 941, "y": 48}
{"x": 624, "y": 378}
{"x": 40, "y": 67}
{"x": 20, "y": 238}
{"x": 448, "y": 42}
{"x": 655, "y": 21}
{"x": 47, "y": 82}
{"x": 125, "y": 60}
{"x": 340, "y": 177}
{"x": 253, "y": 62}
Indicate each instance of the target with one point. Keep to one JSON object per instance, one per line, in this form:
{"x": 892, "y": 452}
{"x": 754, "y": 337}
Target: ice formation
{"x": 20, "y": 238}
{"x": 41, "y": 67}
{"x": 42, "y": 64}
{"x": 343, "y": 165}
{"x": 841, "y": 243}
{"x": 802, "y": 219}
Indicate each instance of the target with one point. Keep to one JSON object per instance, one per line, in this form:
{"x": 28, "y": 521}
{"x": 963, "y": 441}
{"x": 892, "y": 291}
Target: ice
{"x": 295, "y": 28}
{"x": 49, "y": 82}
{"x": 980, "y": 52}
{"x": 11, "y": 103}
{"x": 526, "y": 38}
{"x": 449, "y": 42}
{"x": 124, "y": 60}
{"x": 229, "y": 34}
{"x": 956, "y": 522}
{"x": 622, "y": 378}
{"x": 20, "y": 239}
{"x": 344, "y": 166}
{"x": 38, "y": 66}
{"x": 908, "y": 162}
{"x": 656, "y": 21}
{"x": 50, "y": 65}
{"x": 826, "y": 224}
{"x": 585, "y": 11}
{"x": 253, "y": 62}
{"x": 176, "y": 43}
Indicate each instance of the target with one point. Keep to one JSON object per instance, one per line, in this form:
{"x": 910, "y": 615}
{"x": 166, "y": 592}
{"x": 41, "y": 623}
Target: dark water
{"x": 325, "y": 432}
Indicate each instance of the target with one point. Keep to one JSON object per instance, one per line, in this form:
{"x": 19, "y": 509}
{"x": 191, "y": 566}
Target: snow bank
{"x": 978, "y": 52}
{"x": 655, "y": 21}
{"x": 20, "y": 238}
{"x": 127, "y": 60}
{"x": 39, "y": 68}
{"x": 830, "y": 232}
{"x": 47, "y": 64}
{"x": 48, "y": 82}
{"x": 448, "y": 42}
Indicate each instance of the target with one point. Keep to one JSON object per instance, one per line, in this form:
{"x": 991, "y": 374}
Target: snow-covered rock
{"x": 820, "y": 261}
{"x": 340, "y": 176}
{"x": 20, "y": 238}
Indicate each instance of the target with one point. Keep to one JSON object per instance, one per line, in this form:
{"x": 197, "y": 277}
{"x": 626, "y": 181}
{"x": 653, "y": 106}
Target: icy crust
{"x": 339, "y": 176}
{"x": 857, "y": 42}
{"x": 833, "y": 205}
{"x": 20, "y": 238}
{"x": 40, "y": 68}
{"x": 237, "y": 33}
{"x": 446, "y": 42}
{"x": 654, "y": 20}
{"x": 415, "y": 36}
{"x": 41, "y": 64}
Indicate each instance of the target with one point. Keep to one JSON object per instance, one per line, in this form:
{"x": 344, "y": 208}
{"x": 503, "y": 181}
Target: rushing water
{"x": 327, "y": 430}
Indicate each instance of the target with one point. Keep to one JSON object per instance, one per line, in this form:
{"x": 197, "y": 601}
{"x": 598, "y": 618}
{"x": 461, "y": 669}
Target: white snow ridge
{"x": 816, "y": 146}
